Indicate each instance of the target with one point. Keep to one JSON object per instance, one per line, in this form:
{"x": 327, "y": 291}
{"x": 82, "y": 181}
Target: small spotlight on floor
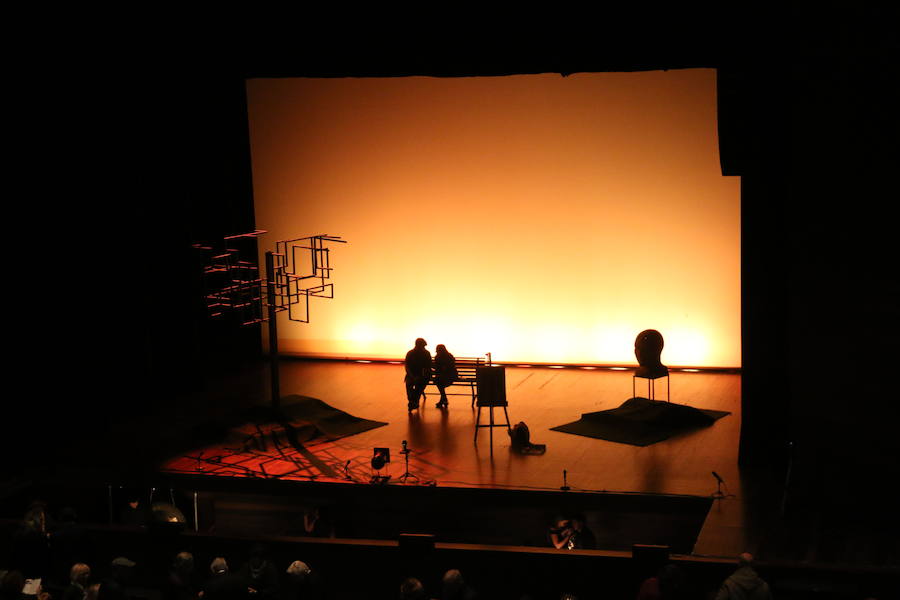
{"x": 380, "y": 457}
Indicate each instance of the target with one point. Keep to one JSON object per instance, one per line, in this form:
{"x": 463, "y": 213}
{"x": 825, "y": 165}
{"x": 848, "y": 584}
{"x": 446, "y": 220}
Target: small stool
{"x": 651, "y": 386}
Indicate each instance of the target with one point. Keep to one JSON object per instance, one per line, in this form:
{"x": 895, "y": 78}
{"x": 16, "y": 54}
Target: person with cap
{"x": 744, "y": 583}
{"x": 418, "y": 373}
{"x": 113, "y": 587}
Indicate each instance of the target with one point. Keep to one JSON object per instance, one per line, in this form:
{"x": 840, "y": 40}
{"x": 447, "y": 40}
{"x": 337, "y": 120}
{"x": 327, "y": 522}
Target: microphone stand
{"x": 406, "y": 475}
{"x": 565, "y": 486}
{"x": 719, "y": 494}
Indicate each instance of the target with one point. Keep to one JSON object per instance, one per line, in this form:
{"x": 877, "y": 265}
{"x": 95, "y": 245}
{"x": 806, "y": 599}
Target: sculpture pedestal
{"x": 651, "y": 384}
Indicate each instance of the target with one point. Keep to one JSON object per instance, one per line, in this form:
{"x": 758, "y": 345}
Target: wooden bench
{"x": 465, "y": 366}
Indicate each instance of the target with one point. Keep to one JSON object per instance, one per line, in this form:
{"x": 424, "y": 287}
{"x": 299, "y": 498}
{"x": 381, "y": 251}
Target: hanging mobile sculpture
{"x": 297, "y": 270}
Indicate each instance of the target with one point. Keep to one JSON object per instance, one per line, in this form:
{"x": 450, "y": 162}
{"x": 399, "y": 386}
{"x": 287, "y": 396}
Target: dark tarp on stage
{"x": 307, "y": 419}
{"x": 641, "y": 422}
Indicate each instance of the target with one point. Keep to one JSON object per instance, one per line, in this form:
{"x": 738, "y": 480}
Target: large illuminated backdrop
{"x": 538, "y": 217}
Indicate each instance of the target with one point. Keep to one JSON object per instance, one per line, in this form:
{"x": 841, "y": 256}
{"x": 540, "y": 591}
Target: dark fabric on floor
{"x": 331, "y": 422}
{"x": 306, "y": 419}
{"x": 641, "y": 422}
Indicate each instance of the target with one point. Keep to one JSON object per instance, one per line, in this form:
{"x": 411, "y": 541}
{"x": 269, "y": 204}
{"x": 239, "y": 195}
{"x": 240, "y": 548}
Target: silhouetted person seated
{"x": 744, "y": 583}
{"x": 115, "y": 586}
{"x": 260, "y": 575}
{"x": 222, "y": 584}
{"x": 667, "y": 584}
{"x": 647, "y": 349}
{"x": 134, "y": 512}
{"x": 453, "y": 587}
{"x": 180, "y": 583}
{"x": 412, "y": 589}
{"x": 302, "y": 583}
{"x": 317, "y": 523}
{"x": 445, "y": 372}
{"x": 418, "y": 373}
{"x": 12, "y": 586}
{"x": 572, "y": 534}
{"x": 30, "y": 544}
{"x": 69, "y": 544}
{"x": 79, "y": 579}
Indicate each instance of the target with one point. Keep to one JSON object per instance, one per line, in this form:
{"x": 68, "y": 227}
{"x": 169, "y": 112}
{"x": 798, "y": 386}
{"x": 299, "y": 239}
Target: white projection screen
{"x": 543, "y": 219}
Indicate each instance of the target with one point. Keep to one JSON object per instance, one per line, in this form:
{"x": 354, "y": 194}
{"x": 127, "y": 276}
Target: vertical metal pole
{"x": 273, "y": 331}
{"x": 196, "y": 514}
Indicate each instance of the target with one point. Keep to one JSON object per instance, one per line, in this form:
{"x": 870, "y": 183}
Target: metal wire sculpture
{"x": 232, "y": 283}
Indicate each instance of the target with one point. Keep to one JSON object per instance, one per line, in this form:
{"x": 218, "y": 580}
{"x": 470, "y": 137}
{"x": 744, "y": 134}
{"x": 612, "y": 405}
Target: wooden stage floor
{"x": 443, "y": 451}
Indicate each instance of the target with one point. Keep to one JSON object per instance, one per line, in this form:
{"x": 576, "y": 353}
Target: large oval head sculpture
{"x": 648, "y": 346}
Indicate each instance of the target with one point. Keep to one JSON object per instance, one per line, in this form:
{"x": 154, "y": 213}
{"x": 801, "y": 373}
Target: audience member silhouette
{"x": 744, "y": 583}
{"x": 412, "y": 589}
{"x": 134, "y": 512}
{"x": 418, "y": 373}
{"x": 180, "y": 583}
{"x": 30, "y": 544}
{"x": 572, "y": 534}
{"x": 453, "y": 587}
{"x": 302, "y": 583}
{"x": 445, "y": 372}
{"x": 69, "y": 544}
{"x": 317, "y": 523}
{"x": 11, "y": 586}
{"x": 222, "y": 584}
{"x": 667, "y": 584}
{"x": 114, "y": 586}
{"x": 260, "y": 575}
{"x": 79, "y": 579}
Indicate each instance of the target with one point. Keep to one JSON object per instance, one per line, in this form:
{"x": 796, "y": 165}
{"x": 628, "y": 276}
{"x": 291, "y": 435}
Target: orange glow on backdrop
{"x": 536, "y": 217}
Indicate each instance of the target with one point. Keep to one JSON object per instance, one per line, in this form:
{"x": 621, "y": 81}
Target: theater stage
{"x": 443, "y": 454}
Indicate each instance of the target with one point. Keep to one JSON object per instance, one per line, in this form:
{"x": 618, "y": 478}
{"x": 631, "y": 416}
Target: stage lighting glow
{"x": 544, "y": 219}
